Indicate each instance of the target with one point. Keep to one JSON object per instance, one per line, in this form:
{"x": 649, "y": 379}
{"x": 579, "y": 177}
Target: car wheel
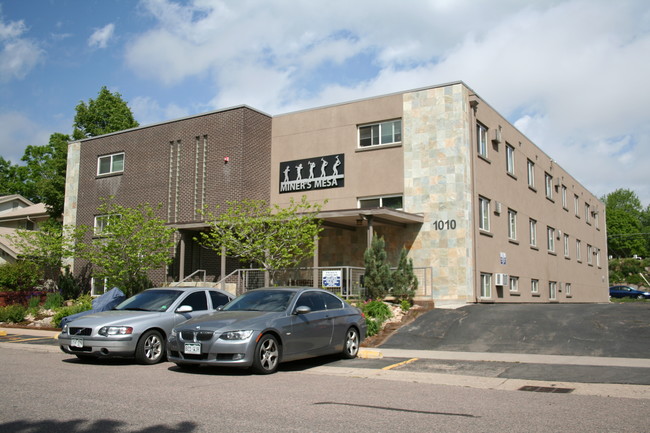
{"x": 640, "y": 297}
{"x": 267, "y": 355}
{"x": 150, "y": 349}
{"x": 351, "y": 344}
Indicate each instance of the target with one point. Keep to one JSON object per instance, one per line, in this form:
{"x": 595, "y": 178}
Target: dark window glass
{"x": 218, "y": 299}
{"x": 197, "y": 301}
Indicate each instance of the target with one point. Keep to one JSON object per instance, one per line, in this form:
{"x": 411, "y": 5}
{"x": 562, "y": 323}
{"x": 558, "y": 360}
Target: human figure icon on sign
{"x": 322, "y": 168}
{"x": 299, "y": 171}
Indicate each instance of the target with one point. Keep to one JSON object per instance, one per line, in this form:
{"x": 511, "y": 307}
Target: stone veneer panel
{"x": 437, "y": 176}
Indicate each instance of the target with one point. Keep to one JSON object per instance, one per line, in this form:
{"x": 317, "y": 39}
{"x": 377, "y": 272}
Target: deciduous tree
{"x": 108, "y": 113}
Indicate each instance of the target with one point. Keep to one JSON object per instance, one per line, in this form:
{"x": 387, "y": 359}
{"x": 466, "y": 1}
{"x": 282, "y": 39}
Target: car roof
{"x": 188, "y": 288}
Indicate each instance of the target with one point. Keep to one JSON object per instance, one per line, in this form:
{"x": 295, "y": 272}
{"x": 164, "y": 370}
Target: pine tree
{"x": 377, "y": 277}
{"x": 405, "y": 283}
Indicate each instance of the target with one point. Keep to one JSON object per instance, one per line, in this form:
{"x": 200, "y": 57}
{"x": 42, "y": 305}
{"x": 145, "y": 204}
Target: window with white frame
{"x": 548, "y": 182}
{"x": 376, "y": 134}
{"x": 482, "y": 140}
{"x": 514, "y": 284}
{"x": 109, "y": 164}
{"x": 484, "y": 214}
{"x": 389, "y": 201}
{"x": 564, "y": 202}
{"x": 486, "y": 285}
{"x": 550, "y": 239}
{"x": 576, "y": 205}
{"x": 531, "y": 174}
{"x": 567, "y": 289}
{"x": 512, "y": 224}
{"x": 532, "y": 225}
{"x": 566, "y": 245}
{"x": 103, "y": 223}
{"x": 587, "y": 213}
{"x": 98, "y": 286}
{"x": 534, "y": 286}
{"x": 597, "y": 257}
{"x": 590, "y": 253}
{"x": 578, "y": 250}
{"x": 510, "y": 159}
{"x": 552, "y": 290}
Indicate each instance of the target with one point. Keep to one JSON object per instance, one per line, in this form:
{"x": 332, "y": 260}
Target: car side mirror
{"x": 303, "y": 309}
{"x": 220, "y": 307}
{"x": 184, "y": 309}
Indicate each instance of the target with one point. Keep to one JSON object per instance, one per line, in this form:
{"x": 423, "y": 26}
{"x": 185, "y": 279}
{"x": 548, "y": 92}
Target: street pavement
{"x": 591, "y": 349}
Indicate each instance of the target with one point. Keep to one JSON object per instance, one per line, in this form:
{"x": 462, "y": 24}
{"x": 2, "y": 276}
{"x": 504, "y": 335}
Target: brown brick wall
{"x": 180, "y": 165}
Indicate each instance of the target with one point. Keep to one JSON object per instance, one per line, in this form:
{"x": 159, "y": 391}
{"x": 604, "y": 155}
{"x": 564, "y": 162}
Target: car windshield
{"x": 261, "y": 300}
{"x": 150, "y": 300}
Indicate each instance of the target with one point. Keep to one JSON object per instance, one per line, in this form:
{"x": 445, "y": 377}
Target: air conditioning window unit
{"x": 501, "y": 279}
{"x": 497, "y": 208}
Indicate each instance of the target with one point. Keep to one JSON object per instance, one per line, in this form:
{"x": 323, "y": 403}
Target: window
{"x": 552, "y": 290}
{"x": 578, "y": 253}
{"x": 514, "y": 284}
{"x": 380, "y": 133}
{"x": 550, "y": 239}
{"x": 482, "y": 140}
{"x": 587, "y": 213}
{"x": 218, "y": 299}
{"x": 567, "y": 289}
{"x": 566, "y": 245}
{"x": 534, "y": 286}
{"x": 548, "y": 182}
{"x": 576, "y": 204}
{"x": 564, "y": 205}
{"x": 103, "y": 223}
{"x": 313, "y": 300}
{"x": 484, "y": 214}
{"x": 486, "y": 285}
{"x": 512, "y": 224}
{"x": 510, "y": 159}
{"x": 98, "y": 286}
{"x": 532, "y": 224}
{"x": 197, "y": 300}
{"x": 391, "y": 202}
{"x": 110, "y": 163}
{"x": 590, "y": 253}
{"x": 531, "y": 174}
{"x": 598, "y": 257}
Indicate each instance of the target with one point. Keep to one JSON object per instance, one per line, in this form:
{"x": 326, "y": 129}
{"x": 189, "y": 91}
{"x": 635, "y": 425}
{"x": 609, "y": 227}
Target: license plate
{"x": 193, "y": 348}
{"x": 77, "y": 342}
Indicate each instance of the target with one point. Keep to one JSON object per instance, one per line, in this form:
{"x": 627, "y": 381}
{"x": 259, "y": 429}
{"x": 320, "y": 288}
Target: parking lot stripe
{"x": 408, "y": 361}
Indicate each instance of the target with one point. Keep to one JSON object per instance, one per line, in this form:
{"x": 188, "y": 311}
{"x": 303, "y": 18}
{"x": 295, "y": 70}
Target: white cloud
{"x": 572, "y": 74}
{"x": 18, "y": 55}
{"x": 101, "y": 37}
{"x": 17, "y": 131}
{"x": 148, "y": 110}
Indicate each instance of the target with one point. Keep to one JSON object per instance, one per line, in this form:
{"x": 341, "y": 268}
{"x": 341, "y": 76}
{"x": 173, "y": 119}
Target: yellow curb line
{"x": 3, "y": 333}
{"x": 408, "y": 361}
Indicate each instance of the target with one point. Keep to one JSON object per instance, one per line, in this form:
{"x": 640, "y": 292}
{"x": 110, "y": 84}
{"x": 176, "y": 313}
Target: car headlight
{"x": 174, "y": 333}
{"x": 65, "y": 329}
{"x": 115, "y": 330}
{"x": 236, "y": 335}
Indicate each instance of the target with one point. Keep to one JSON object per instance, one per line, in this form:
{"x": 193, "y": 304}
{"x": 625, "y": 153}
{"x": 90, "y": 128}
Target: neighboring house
{"x": 484, "y": 213}
{"x": 16, "y": 212}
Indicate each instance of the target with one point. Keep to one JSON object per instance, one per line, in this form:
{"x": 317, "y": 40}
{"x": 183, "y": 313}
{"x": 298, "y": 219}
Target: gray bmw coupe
{"x": 264, "y": 327}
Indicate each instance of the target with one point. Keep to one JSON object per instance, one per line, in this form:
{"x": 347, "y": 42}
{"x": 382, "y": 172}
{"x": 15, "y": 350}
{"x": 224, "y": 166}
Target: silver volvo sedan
{"x": 264, "y": 327}
{"x": 139, "y": 326}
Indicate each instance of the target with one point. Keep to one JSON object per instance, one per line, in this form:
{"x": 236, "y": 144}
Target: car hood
{"x": 232, "y": 320}
{"x": 114, "y": 317}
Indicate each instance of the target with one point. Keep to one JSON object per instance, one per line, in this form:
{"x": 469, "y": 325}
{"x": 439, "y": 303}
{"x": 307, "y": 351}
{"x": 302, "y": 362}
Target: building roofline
{"x": 164, "y": 122}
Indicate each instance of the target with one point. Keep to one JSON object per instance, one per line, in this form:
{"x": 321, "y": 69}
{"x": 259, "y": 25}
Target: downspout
{"x": 472, "y": 129}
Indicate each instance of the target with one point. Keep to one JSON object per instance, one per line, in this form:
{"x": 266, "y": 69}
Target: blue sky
{"x": 571, "y": 74}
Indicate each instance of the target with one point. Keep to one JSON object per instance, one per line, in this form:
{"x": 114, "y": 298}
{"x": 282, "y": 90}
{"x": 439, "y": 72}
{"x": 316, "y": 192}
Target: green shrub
{"x": 405, "y": 305}
{"x": 69, "y": 285}
{"x": 53, "y": 301}
{"x": 373, "y": 327}
{"x": 376, "y": 310}
{"x": 20, "y": 276}
{"x": 13, "y": 313}
{"x": 82, "y": 303}
{"x": 34, "y": 302}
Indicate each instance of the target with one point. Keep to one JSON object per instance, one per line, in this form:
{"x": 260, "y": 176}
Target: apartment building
{"x": 484, "y": 213}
